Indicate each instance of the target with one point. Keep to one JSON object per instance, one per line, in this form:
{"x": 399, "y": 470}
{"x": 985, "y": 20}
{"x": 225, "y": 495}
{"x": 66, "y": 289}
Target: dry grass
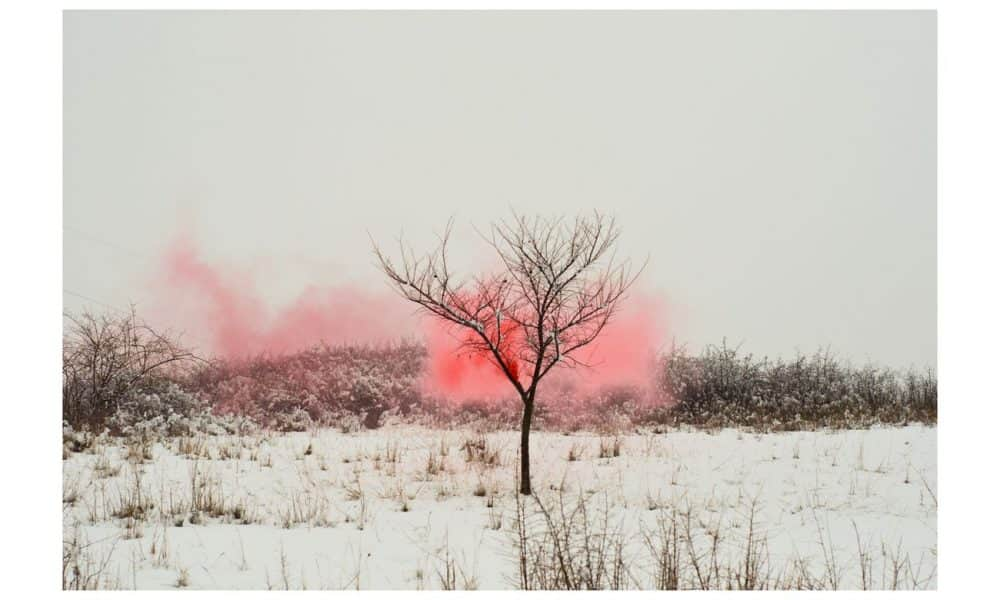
{"x": 575, "y": 542}
{"x": 576, "y": 533}
{"x": 478, "y": 450}
{"x": 610, "y": 447}
{"x": 83, "y": 570}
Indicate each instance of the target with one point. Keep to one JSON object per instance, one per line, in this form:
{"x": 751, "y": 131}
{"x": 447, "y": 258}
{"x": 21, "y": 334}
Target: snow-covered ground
{"x": 413, "y": 508}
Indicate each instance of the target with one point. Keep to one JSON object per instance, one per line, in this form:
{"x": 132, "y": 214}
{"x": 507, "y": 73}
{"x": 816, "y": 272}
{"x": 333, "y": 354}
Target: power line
{"x": 95, "y": 300}
{"x": 90, "y": 237}
{"x": 120, "y": 251}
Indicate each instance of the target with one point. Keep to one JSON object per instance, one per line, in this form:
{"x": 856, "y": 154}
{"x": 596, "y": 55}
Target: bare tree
{"x": 557, "y": 287}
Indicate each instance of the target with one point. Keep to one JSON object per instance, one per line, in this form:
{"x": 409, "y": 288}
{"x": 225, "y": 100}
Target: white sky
{"x": 778, "y": 168}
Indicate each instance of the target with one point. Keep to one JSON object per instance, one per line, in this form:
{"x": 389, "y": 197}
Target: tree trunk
{"x": 529, "y": 407}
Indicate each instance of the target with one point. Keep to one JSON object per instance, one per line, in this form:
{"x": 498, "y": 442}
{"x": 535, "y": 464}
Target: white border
{"x": 30, "y": 150}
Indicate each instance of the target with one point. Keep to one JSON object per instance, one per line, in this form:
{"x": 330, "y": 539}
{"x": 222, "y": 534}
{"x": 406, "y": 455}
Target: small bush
{"x": 722, "y": 388}
{"x": 160, "y": 408}
{"x": 343, "y": 386}
{"x": 110, "y": 360}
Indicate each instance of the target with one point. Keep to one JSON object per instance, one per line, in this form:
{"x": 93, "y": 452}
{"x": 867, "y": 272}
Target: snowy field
{"x": 412, "y": 508}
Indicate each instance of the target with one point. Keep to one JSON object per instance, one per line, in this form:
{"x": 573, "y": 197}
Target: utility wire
{"x": 120, "y": 251}
{"x": 95, "y": 300}
{"x": 90, "y": 237}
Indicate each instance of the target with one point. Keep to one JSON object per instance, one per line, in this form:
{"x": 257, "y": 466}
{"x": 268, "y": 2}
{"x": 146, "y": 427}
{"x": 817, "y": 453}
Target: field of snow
{"x": 413, "y": 508}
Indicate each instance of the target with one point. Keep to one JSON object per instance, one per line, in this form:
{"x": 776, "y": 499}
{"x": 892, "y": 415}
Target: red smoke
{"x": 459, "y": 373}
{"x": 223, "y": 308}
{"x": 624, "y": 354}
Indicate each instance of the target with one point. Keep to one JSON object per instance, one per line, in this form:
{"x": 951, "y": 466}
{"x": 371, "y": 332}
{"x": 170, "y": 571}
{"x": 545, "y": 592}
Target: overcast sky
{"x": 777, "y": 168}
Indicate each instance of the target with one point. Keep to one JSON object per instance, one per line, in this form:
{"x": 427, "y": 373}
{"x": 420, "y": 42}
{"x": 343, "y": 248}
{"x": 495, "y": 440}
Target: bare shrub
{"x": 81, "y": 569}
{"x": 722, "y": 388}
{"x": 663, "y": 545}
{"x": 570, "y": 544}
{"x": 343, "y": 386}
{"x": 450, "y": 573}
{"x": 109, "y": 361}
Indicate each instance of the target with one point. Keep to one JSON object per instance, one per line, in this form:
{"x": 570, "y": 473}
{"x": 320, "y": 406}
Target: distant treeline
{"x": 121, "y": 376}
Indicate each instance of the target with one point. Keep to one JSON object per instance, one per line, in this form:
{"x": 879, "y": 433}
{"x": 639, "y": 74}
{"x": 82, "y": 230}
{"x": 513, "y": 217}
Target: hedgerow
{"x": 122, "y": 377}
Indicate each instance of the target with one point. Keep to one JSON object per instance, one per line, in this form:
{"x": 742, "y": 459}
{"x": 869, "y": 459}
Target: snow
{"x": 333, "y": 510}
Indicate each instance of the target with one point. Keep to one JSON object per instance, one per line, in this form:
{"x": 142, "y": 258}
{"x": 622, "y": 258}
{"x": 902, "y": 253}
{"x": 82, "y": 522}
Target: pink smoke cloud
{"x": 624, "y": 354}
{"x": 223, "y": 307}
